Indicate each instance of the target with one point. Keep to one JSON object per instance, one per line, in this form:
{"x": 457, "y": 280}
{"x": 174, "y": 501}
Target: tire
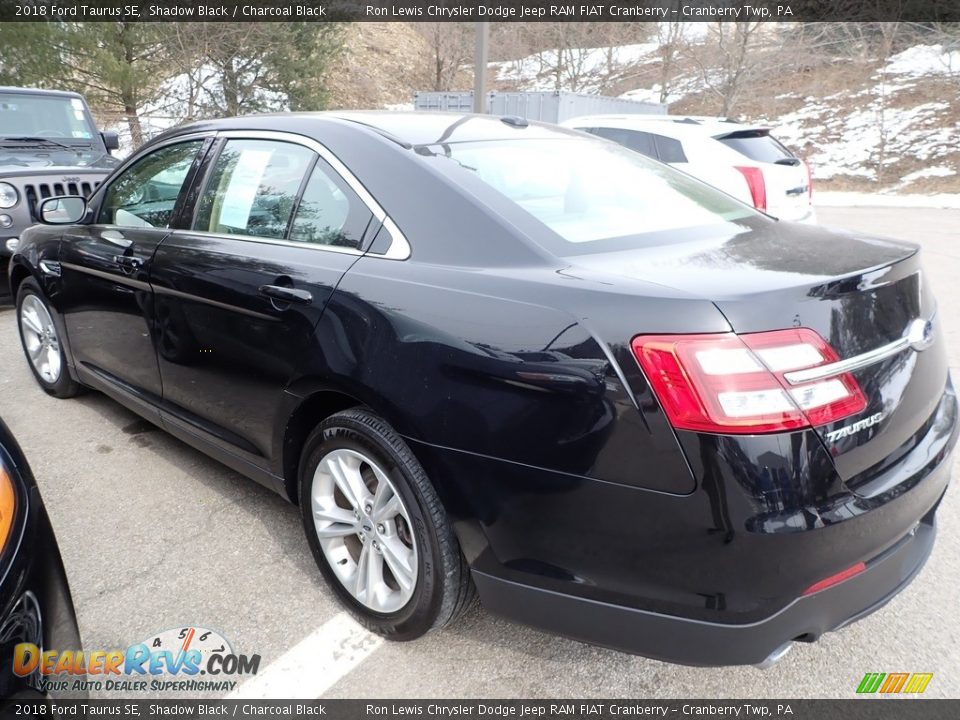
{"x": 441, "y": 589}
{"x": 42, "y": 342}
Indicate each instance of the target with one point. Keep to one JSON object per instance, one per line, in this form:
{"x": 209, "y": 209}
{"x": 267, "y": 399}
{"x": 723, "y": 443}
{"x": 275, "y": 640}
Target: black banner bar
{"x": 855, "y": 709}
{"x": 480, "y": 10}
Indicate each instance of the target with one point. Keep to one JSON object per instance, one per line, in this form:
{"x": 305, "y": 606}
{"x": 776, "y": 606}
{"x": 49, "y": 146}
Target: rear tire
{"x": 363, "y": 491}
{"x": 42, "y": 343}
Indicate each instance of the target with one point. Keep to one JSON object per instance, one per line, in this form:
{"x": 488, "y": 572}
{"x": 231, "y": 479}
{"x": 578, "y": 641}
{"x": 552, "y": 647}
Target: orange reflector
{"x": 8, "y": 506}
{"x": 836, "y": 579}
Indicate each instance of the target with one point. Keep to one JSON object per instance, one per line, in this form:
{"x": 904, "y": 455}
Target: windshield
{"x": 58, "y": 118}
{"x": 590, "y": 190}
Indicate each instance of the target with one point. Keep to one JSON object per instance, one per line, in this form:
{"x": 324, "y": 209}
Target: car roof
{"x": 411, "y": 129}
{"x": 674, "y": 125}
{"x": 39, "y": 91}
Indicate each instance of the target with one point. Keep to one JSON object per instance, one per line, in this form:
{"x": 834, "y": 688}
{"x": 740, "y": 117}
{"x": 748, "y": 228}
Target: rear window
{"x": 587, "y": 190}
{"x": 756, "y": 145}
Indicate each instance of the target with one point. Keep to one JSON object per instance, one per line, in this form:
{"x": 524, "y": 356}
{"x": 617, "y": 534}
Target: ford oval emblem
{"x": 920, "y": 334}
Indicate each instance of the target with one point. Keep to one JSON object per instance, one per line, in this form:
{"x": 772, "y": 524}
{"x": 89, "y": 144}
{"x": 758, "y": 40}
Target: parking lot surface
{"x": 155, "y": 535}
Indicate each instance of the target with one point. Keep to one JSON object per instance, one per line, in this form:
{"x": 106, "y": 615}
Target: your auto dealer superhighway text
{"x": 572, "y": 709}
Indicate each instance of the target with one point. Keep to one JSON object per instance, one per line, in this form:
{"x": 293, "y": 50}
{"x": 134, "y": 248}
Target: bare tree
{"x": 451, "y": 48}
{"x": 730, "y": 60}
{"x": 671, "y": 42}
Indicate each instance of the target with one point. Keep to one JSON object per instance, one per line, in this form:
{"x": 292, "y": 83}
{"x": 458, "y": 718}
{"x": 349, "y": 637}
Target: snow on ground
{"x": 922, "y": 60}
{"x": 879, "y": 134}
{"x": 586, "y": 67}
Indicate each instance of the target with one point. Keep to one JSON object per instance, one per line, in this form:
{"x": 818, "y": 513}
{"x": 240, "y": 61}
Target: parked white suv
{"x": 742, "y": 160}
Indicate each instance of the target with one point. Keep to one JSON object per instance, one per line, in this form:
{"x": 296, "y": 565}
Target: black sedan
{"x": 36, "y": 610}
{"x": 482, "y": 353}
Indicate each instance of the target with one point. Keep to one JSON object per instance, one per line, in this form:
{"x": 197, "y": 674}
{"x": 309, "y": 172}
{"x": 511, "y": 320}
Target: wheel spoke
{"x": 399, "y": 559}
{"x": 386, "y": 504}
{"x": 31, "y": 320}
{"x": 348, "y": 479}
{"x": 360, "y": 589}
{"x": 375, "y": 584}
{"x": 53, "y": 363}
{"x": 35, "y": 349}
{"x": 341, "y": 522}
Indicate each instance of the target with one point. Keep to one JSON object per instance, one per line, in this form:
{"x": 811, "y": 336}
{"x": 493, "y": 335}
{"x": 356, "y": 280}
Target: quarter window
{"x": 669, "y": 149}
{"x": 145, "y": 194}
{"x": 636, "y": 140}
{"x": 329, "y": 213}
{"x": 253, "y": 188}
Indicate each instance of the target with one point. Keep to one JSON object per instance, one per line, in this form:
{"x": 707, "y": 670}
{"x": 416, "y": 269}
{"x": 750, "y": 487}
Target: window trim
{"x": 104, "y": 188}
{"x": 399, "y": 248}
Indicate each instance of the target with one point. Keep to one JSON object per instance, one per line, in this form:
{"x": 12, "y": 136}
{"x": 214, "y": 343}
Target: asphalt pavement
{"x": 155, "y": 535}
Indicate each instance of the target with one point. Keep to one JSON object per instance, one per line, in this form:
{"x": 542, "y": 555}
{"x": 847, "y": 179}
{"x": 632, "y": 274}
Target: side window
{"x": 330, "y": 213}
{"x": 670, "y": 150}
{"x": 253, "y": 188}
{"x": 145, "y": 194}
{"x": 637, "y": 141}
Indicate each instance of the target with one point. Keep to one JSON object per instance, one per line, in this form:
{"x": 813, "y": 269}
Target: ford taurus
{"x": 485, "y": 355}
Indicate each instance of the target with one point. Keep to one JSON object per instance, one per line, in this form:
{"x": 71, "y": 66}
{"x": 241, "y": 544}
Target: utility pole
{"x": 480, "y": 67}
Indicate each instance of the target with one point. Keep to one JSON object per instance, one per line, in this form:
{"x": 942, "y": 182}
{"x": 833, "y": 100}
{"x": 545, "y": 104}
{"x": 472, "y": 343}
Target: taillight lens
{"x": 757, "y": 186}
{"x": 809, "y": 180}
{"x": 726, "y": 383}
{"x": 8, "y": 506}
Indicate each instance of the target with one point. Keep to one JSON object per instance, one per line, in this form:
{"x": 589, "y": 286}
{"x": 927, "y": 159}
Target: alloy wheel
{"x": 40, "y": 339}
{"x": 364, "y": 530}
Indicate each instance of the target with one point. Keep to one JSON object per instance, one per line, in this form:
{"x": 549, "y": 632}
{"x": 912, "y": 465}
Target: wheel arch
{"x": 18, "y": 273}
{"x": 311, "y": 405}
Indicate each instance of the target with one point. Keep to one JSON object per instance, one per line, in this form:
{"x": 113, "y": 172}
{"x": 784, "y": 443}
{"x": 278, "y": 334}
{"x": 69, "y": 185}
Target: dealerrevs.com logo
{"x": 189, "y": 659}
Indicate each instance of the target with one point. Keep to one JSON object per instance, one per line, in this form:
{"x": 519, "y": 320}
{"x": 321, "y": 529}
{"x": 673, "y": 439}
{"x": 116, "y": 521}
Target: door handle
{"x": 286, "y": 294}
{"x": 127, "y": 262}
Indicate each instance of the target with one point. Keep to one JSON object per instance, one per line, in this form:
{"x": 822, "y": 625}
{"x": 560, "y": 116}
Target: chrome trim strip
{"x": 161, "y": 290}
{"x": 849, "y": 365}
{"x": 399, "y": 247}
{"x": 918, "y": 335}
{"x": 118, "y": 279}
{"x": 271, "y": 241}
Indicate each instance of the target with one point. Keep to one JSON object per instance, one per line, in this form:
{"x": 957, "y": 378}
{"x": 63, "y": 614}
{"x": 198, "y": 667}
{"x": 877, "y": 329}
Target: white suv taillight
{"x": 727, "y": 383}
{"x": 757, "y": 186}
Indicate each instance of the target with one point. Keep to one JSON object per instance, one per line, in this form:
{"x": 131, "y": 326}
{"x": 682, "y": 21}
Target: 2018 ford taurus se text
{"x": 481, "y": 353}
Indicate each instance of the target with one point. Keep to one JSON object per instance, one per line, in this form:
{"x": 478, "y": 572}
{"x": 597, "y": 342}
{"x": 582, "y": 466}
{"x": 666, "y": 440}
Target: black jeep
{"x": 49, "y": 145}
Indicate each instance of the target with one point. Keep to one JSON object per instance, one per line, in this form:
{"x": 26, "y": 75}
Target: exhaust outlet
{"x": 775, "y": 657}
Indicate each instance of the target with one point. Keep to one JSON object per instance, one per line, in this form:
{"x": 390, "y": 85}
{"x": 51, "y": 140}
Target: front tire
{"x": 42, "y": 343}
{"x": 377, "y": 529}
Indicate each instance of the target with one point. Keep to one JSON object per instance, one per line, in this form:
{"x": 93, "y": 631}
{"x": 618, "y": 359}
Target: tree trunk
{"x": 133, "y": 121}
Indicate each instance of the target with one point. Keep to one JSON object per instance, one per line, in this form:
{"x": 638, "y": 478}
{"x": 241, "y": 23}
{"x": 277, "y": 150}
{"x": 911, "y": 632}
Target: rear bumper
{"x": 694, "y": 642}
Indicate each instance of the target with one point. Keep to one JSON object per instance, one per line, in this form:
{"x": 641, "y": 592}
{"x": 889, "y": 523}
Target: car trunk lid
{"x": 860, "y": 294}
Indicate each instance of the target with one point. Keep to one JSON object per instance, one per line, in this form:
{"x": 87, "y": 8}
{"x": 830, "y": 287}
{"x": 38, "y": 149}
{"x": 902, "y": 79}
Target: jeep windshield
{"x": 28, "y": 120}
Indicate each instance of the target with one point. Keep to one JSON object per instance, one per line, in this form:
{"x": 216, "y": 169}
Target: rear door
{"x": 239, "y": 294}
{"x": 105, "y": 267}
{"x": 786, "y": 177}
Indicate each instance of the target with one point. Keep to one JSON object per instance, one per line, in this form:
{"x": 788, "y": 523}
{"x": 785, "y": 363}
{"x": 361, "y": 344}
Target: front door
{"x": 239, "y": 295}
{"x": 105, "y": 267}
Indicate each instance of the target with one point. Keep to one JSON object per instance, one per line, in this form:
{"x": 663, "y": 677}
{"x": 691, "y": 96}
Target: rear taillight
{"x": 758, "y": 188}
{"x": 809, "y": 180}
{"x": 727, "y": 383}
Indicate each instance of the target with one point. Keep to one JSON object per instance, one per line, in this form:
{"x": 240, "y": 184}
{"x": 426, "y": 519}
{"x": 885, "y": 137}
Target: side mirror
{"x": 62, "y": 210}
{"x": 111, "y": 140}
